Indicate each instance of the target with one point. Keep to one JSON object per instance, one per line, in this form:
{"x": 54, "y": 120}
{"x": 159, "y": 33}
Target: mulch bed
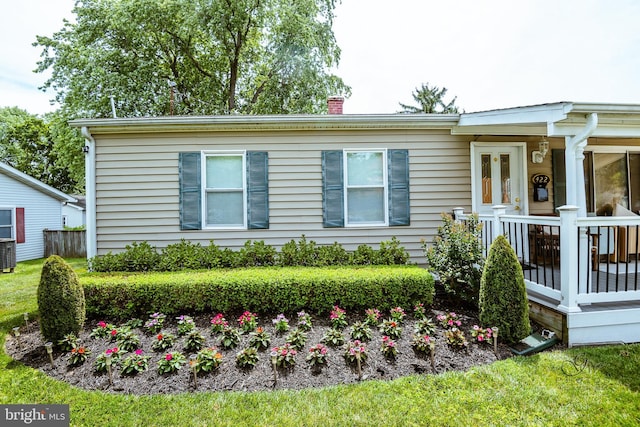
{"x": 31, "y": 352}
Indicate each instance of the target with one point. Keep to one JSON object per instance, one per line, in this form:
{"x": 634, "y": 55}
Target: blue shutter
{"x": 257, "y": 189}
{"x": 332, "y": 189}
{"x": 398, "y": 169}
{"x": 190, "y": 191}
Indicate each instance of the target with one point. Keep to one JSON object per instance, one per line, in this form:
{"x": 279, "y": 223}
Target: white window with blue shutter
{"x": 224, "y": 190}
{"x": 365, "y": 188}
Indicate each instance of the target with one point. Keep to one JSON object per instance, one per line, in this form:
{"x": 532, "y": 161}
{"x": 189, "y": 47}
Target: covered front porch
{"x": 582, "y": 278}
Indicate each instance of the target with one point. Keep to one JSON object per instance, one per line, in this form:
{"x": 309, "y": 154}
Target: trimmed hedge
{"x": 264, "y": 289}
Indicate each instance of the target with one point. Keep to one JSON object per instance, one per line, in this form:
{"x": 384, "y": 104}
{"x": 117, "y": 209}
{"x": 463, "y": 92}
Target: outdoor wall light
{"x": 49, "y": 347}
{"x": 16, "y": 333}
{"x": 107, "y": 361}
{"x": 26, "y": 320}
{"x": 543, "y": 148}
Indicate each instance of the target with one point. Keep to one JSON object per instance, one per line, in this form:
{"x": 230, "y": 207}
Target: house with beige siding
{"x": 538, "y": 174}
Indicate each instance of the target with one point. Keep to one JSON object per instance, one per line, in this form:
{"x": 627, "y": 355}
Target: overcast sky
{"x": 490, "y": 54}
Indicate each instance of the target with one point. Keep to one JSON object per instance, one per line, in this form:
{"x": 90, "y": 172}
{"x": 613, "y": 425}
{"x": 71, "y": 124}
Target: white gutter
{"x": 90, "y": 186}
{"x": 574, "y": 163}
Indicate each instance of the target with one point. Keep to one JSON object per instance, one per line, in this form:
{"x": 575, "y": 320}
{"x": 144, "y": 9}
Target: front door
{"x": 499, "y": 178}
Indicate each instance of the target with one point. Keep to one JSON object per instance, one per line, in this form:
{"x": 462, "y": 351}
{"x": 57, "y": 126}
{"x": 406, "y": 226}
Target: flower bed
{"x": 167, "y": 370}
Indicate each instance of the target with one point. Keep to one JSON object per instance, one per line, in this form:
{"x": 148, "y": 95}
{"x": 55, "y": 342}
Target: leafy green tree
{"x": 430, "y": 100}
{"x": 194, "y": 57}
{"x": 44, "y": 148}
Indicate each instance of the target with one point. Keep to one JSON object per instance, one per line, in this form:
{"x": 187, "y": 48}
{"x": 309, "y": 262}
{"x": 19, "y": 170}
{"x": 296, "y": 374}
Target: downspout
{"x": 90, "y": 186}
{"x": 574, "y": 163}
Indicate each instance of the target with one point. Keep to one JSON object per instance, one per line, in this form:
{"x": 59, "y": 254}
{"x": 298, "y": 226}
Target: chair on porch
{"x": 544, "y": 244}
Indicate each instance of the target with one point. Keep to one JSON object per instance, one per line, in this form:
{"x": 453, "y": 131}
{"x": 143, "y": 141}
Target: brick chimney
{"x": 335, "y": 104}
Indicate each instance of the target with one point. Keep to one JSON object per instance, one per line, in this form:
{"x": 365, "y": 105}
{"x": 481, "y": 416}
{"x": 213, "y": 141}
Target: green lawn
{"x": 587, "y": 386}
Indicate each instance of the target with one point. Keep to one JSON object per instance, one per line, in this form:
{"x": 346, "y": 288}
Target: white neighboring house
{"x": 74, "y": 213}
{"x": 27, "y": 207}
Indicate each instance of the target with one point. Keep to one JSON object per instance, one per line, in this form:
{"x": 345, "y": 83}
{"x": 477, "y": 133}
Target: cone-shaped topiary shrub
{"x": 503, "y": 296}
{"x": 60, "y": 300}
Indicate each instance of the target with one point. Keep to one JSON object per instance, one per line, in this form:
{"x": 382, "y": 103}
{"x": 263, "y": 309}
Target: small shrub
{"x": 194, "y": 342}
{"x": 218, "y": 323}
{"x": 317, "y": 356}
{"x": 247, "y": 358}
{"x": 259, "y": 339}
{"x": 423, "y": 343}
{"x": 230, "y": 338}
{"x": 503, "y": 296}
{"x": 185, "y": 325}
{"x": 61, "y": 301}
{"x": 391, "y": 253}
{"x": 257, "y": 254}
{"x": 449, "y": 320}
{"x": 304, "y": 321}
{"x": 332, "y": 255}
{"x": 135, "y": 363}
{"x": 280, "y": 324}
{"x": 129, "y": 341}
{"x": 361, "y": 331}
{"x": 356, "y": 351}
{"x": 155, "y": 323}
{"x": 184, "y": 255}
{"x": 419, "y": 312}
{"x": 141, "y": 257}
{"x": 102, "y": 330}
{"x": 338, "y": 318}
{"x": 425, "y": 327}
{"x": 391, "y": 328}
{"x": 363, "y": 255}
{"x": 248, "y": 321}
{"x": 455, "y": 338}
{"x": 456, "y": 256}
{"x": 372, "y": 316}
{"x": 333, "y": 337}
{"x": 482, "y": 335}
{"x": 397, "y": 314}
{"x": 208, "y": 360}
{"x": 163, "y": 342}
{"x": 297, "y": 339}
{"x": 302, "y": 253}
{"x": 389, "y": 347}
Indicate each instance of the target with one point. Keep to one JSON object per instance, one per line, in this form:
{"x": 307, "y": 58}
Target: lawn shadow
{"x": 618, "y": 362}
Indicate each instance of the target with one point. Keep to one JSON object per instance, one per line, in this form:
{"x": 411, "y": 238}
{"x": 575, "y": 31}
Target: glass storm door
{"x": 497, "y": 179}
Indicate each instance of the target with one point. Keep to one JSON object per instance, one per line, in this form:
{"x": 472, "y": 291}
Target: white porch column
{"x": 457, "y": 213}
{"x": 498, "y": 211}
{"x": 574, "y": 165}
{"x": 569, "y": 257}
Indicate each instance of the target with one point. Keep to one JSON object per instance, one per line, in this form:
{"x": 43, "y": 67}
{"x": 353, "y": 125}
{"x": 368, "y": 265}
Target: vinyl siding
{"x": 137, "y": 186}
{"x": 40, "y": 212}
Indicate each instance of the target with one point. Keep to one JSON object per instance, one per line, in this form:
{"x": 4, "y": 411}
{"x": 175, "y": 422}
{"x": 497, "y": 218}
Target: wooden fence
{"x": 65, "y": 243}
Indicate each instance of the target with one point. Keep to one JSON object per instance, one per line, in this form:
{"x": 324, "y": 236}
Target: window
{"x": 611, "y": 178}
{"x": 365, "y": 183}
{"x": 365, "y": 187}
{"x": 6, "y": 223}
{"x": 223, "y": 190}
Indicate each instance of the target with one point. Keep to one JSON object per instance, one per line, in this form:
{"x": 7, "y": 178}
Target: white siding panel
{"x": 40, "y": 212}
{"x": 137, "y": 186}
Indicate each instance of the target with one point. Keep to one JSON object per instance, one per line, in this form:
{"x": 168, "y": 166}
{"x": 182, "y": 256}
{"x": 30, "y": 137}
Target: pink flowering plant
{"x": 208, "y": 360}
{"x": 372, "y": 316}
{"x": 259, "y": 339}
{"x": 304, "y": 321}
{"x": 317, "y": 356}
{"x": 185, "y": 325}
{"x": 391, "y": 328}
{"x": 389, "y": 348}
{"x": 455, "y": 338}
{"x": 100, "y": 364}
{"x": 397, "y": 314}
{"x": 449, "y": 320}
{"x": 218, "y": 323}
{"x": 419, "y": 311}
{"x": 102, "y": 330}
{"x": 79, "y": 355}
{"x": 423, "y": 343}
{"x": 135, "y": 363}
{"x": 163, "y": 342}
{"x": 248, "y": 321}
{"x": 284, "y": 356}
{"x": 171, "y": 362}
{"x": 280, "y": 323}
{"x": 356, "y": 351}
{"x": 482, "y": 334}
{"x": 247, "y": 358}
{"x": 338, "y": 318}
{"x": 155, "y": 323}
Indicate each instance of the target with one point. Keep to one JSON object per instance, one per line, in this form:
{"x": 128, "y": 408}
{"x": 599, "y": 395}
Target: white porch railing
{"x": 562, "y": 257}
